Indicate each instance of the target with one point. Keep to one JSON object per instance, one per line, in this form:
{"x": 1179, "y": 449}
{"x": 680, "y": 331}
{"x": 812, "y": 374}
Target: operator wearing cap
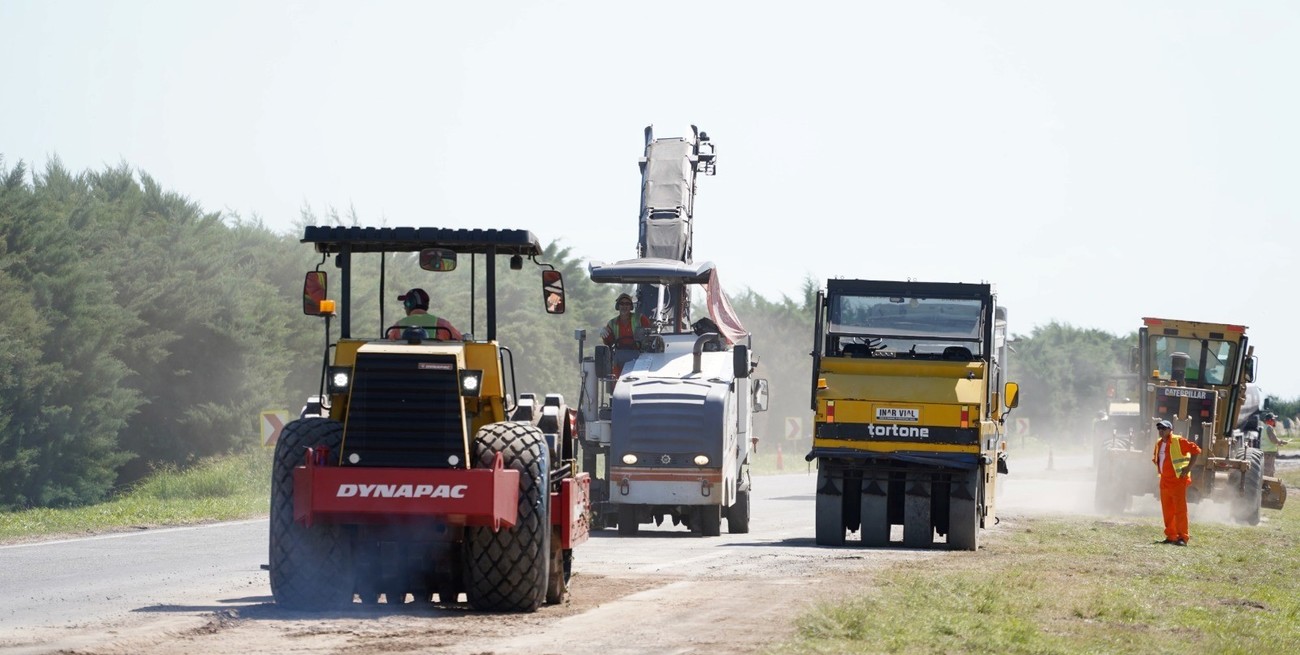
{"x": 416, "y": 304}
{"x": 1269, "y": 442}
{"x": 1173, "y": 457}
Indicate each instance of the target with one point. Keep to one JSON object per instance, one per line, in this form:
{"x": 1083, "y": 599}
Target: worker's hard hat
{"x": 622, "y": 297}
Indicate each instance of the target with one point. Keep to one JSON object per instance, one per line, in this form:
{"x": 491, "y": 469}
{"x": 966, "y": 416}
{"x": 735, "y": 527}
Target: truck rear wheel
{"x": 310, "y": 567}
{"x": 738, "y": 514}
{"x": 918, "y": 528}
{"x": 710, "y": 520}
{"x": 830, "y": 509}
{"x": 1245, "y": 506}
{"x": 627, "y": 521}
{"x": 875, "y": 512}
{"x": 507, "y": 569}
{"x": 964, "y": 493}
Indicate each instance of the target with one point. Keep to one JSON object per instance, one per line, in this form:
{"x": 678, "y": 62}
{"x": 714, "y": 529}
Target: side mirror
{"x": 1134, "y": 363}
{"x": 438, "y": 260}
{"x": 553, "y": 291}
{"x": 760, "y": 395}
{"x": 740, "y": 361}
{"x": 1252, "y": 363}
{"x": 313, "y": 294}
{"x": 1011, "y": 395}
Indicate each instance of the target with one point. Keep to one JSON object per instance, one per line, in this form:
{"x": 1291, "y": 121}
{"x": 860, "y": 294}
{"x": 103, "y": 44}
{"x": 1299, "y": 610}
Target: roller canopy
{"x": 651, "y": 271}
{"x": 411, "y": 239}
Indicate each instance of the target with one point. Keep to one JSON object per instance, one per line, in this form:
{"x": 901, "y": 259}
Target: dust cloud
{"x": 1045, "y": 481}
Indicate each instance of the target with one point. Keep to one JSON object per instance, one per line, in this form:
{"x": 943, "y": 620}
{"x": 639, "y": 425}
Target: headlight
{"x": 470, "y": 382}
{"x": 629, "y": 458}
{"x": 701, "y": 460}
{"x": 339, "y": 379}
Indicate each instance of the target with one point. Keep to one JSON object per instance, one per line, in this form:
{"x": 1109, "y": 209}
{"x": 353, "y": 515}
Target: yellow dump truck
{"x": 909, "y": 398}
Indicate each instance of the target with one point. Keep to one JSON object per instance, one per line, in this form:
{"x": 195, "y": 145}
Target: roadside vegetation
{"x": 219, "y": 489}
{"x": 1082, "y": 585}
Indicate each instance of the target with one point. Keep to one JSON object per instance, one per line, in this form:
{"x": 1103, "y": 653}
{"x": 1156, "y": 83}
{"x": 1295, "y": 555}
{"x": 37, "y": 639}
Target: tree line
{"x": 141, "y": 331}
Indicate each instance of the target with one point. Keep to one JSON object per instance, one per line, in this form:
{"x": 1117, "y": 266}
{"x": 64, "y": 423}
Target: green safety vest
{"x": 1177, "y": 458}
{"x": 623, "y": 339}
{"x": 1265, "y": 443}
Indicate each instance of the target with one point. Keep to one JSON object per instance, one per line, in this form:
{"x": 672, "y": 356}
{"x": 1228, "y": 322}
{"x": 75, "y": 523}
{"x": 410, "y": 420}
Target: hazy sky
{"x": 1098, "y": 161}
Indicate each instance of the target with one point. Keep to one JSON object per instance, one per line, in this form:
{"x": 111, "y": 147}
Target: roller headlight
{"x": 470, "y": 382}
{"x": 629, "y": 459}
{"x": 701, "y": 460}
{"x": 339, "y": 379}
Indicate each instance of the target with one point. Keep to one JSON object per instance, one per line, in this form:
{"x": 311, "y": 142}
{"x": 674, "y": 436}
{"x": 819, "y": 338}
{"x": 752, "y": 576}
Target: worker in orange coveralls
{"x": 1173, "y": 458}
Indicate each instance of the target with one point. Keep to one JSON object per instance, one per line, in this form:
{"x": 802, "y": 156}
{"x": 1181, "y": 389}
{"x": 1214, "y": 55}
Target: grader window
{"x": 1212, "y": 356}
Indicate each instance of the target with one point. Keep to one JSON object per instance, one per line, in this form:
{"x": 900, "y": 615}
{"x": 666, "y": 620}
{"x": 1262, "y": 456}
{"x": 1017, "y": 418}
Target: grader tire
{"x": 1245, "y": 507}
{"x": 507, "y": 570}
{"x": 309, "y": 567}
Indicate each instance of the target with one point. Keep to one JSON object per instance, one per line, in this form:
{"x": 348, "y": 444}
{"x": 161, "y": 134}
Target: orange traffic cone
{"x": 780, "y": 463}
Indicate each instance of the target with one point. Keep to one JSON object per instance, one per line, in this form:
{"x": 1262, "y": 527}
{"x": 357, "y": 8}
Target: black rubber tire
{"x": 506, "y": 570}
{"x": 1245, "y": 506}
{"x": 1110, "y": 496}
{"x": 965, "y": 491}
{"x": 710, "y": 520}
{"x": 873, "y": 511}
{"x": 310, "y": 568}
{"x": 561, "y": 569}
{"x": 738, "y": 514}
{"x": 830, "y": 510}
{"x": 627, "y": 521}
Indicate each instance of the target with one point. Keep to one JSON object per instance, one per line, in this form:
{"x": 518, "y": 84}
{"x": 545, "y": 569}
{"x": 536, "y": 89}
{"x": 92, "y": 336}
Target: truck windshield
{"x": 912, "y": 324}
{"x": 1214, "y": 355}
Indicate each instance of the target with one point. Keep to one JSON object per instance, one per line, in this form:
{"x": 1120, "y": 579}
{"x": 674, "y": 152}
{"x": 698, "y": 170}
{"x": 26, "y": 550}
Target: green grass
{"x": 216, "y": 490}
{"x": 1081, "y": 585}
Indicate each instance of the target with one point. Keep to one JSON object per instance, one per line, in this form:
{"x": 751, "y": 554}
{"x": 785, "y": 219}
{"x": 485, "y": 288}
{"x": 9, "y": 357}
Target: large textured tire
{"x": 1245, "y": 506}
{"x": 310, "y": 567}
{"x": 738, "y": 514}
{"x": 507, "y": 569}
{"x": 830, "y": 509}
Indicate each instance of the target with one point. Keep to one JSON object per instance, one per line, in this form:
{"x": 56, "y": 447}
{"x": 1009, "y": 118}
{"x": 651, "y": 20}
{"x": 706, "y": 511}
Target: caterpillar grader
{"x": 667, "y": 421}
{"x": 419, "y": 473}
{"x": 909, "y": 403}
{"x": 1198, "y": 376}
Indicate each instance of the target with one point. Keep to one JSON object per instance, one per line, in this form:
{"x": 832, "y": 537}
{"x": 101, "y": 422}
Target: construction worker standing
{"x": 1173, "y": 457}
{"x": 1269, "y": 442}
